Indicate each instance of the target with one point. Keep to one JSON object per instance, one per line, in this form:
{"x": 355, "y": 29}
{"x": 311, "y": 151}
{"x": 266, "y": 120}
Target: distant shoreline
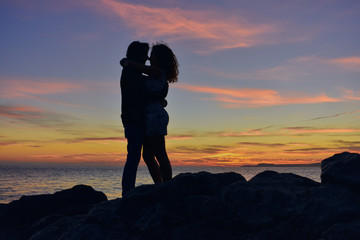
{"x": 283, "y": 165}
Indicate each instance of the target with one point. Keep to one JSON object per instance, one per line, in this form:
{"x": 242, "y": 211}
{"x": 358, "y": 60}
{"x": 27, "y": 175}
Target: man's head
{"x": 138, "y": 51}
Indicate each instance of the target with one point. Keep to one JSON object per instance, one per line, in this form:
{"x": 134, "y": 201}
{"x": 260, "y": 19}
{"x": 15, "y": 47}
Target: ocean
{"x": 16, "y": 181}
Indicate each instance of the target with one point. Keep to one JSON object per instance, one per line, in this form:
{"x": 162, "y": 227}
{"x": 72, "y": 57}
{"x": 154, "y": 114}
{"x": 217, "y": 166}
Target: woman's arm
{"x": 149, "y": 70}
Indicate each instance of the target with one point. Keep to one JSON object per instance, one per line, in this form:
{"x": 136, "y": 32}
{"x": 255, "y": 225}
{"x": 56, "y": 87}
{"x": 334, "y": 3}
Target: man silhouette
{"x": 133, "y": 102}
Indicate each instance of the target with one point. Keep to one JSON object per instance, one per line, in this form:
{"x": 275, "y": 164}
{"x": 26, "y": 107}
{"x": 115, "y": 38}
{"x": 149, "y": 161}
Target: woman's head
{"x": 163, "y": 57}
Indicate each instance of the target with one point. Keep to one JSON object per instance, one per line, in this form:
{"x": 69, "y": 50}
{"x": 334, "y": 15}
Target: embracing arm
{"x": 158, "y": 95}
{"x": 149, "y": 70}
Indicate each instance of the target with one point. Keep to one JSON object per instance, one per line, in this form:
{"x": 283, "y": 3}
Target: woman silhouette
{"x": 163, "y": 70}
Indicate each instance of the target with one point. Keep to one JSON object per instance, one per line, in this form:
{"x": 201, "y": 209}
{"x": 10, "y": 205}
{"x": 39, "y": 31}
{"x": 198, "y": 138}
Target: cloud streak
{"x": 20, "y": 112}
{"x": 335, "y": 115}
{"x": 35, "y": 116}
{"x": 251, "y": 97}
{"x": 351, "y": 63}
{"x": 100, "y": 139}
{"x": 352, "y": 95}
{"x": 253, "y": 132}
{"x": 309, "y": 130}
{"x": 220, "y": 30}
{"x": 303, "y": 68}
{"x": 14, "y": 88}
{"x": 44, "y": 89}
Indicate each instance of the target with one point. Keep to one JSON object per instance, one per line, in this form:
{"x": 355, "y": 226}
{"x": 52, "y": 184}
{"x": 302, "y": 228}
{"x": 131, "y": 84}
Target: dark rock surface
{"x": 342, "y": 169}
{"x": 201, "y": 206}
{"x": 19, "y": 215}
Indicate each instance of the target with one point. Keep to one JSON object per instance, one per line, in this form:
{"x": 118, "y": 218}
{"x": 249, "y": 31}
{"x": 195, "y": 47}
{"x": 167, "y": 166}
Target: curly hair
{"x": 167, "y": 61}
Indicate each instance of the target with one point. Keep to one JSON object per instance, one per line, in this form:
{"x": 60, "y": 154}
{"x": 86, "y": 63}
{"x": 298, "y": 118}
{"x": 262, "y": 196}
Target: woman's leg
{"x": 151, "y": 163}
{"x": 162, "y": 157}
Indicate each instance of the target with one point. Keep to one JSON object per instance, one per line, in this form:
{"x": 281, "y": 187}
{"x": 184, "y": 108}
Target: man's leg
{"x": 134, "y": 135}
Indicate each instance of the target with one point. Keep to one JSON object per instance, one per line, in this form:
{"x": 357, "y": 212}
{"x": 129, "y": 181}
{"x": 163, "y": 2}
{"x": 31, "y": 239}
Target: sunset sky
{"x": 260, "y": 81}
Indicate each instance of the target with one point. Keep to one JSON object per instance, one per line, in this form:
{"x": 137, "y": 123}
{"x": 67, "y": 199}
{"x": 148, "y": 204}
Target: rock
{"x": 343, "y": 168}
{"x": 202, "y": 183}
{"x": 266, "y": 197}
{"x": 21, "y": 214}
{"x": 74, "y": 201}
{"x": 183, "y": 200}
{"x": 350, "y": 231}
{"x": 206, "y": 206}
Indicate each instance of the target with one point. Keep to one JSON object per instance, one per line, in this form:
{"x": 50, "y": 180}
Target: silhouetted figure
{"x": 133, "y": 112}
{"x": 163, "y": 70}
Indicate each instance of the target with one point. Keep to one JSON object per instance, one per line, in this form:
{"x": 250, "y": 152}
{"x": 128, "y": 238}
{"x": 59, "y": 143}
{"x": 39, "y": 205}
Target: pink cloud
{"x": 12, "y": 88}
{"x": 348, "y": 63}
{"x": 352, "y": 95}
{"x": 179, "y": 137}
{"x": 300, "y": 68}
{"x": 35, "y": 116}
{"x": 219, "y": 29}
{"x": 20, "y": 112}
{"x": 348, "y": 60}
{"x": 44, "y": 90}
{"x": 352, "y": 63}
{"x": 251, "y": 97}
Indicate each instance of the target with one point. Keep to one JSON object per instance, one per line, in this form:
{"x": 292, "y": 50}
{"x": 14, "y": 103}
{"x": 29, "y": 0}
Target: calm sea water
{"x": 18, "y": 181}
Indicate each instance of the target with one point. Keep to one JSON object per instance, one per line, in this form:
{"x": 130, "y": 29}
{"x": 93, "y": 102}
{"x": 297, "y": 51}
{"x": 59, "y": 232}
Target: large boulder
{"x": 19, "y": 215}
{"x": 185, "y": 200}
{"x": 343, "y": 168}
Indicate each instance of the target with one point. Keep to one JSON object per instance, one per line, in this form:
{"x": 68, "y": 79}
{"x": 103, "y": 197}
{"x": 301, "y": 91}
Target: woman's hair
{"x": 167, "y": 61}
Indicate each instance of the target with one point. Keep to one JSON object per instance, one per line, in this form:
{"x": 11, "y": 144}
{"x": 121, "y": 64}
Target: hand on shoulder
{"x": 124, "y": 62}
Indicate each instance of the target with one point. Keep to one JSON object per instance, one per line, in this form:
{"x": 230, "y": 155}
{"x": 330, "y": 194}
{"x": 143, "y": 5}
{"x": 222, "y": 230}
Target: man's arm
{"x": 148, "y": 70}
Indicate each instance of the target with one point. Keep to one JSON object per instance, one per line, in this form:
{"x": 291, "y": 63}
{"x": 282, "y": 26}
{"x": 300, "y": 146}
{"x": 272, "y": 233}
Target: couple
{"x": 142, "y": 109}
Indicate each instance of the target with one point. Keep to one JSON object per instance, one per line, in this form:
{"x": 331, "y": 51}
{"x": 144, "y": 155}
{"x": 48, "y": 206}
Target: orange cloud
{"x": 219, "y": 29}
{"x": 250, "y": 97}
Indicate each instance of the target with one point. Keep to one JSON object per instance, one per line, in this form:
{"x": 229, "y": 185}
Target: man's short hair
{"x": 136, "y": 50}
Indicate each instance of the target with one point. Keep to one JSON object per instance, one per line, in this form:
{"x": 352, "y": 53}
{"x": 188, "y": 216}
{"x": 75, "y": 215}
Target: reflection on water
{"x": 18, "y": 181}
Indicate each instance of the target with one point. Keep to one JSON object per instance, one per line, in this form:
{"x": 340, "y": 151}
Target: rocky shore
{"x": 198, "y": 206}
